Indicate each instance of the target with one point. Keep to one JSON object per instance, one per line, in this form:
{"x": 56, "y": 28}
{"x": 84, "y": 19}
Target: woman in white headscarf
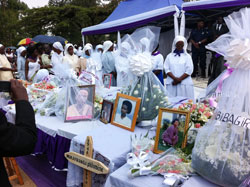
{"x": 108, "y": 61}
{"x": 70, "y": 58}
{"x": 57, "y": 56}
{"x": 21, "y": 62}
{"x": 94, "y": 64}
{"x": 179, "y": 66}
{"x": 99, "y": 48}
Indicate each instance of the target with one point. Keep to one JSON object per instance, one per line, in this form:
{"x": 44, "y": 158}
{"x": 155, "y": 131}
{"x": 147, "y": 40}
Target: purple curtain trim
{"x": 127, "y": 26}
{"x": 217, "y": 5}
{"x": 63, "y": 145}
{"x": 54, "y": 148}
{"x": 11, "y": 102}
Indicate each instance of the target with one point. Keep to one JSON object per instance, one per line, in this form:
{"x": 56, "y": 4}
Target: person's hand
{"x": 196, "y": 45}
{"x": 18, "y": 92}
{"x": 13, "y": 69}
{"x": 176, "y": 81}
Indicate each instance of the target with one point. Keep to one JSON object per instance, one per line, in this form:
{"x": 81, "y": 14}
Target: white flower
{"x": 143, "y": 108}
{"x": 136, "y": 92}
{"x": 139, "y": 85}
{"x": 166, "y": 98}
{"x": 146, "y": 88}
{"x": 157, "y": 107}
{"x": 147, "y": 99}
{"x": 154, "y": 96}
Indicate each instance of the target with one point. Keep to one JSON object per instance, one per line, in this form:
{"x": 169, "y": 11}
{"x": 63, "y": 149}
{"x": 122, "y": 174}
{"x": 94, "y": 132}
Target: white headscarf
{"x": 1, "y": 45}
{"x": 21, "y": 49}
{"x": 87, "y": 48}
{"x": 58, "y": 45}
{"x": 106, "y": 46}
{"x": 67, "y": 47}
{"x": 178, "y": 39}
{"x": 100, "y": 46}
{"x": 90, "y": 45}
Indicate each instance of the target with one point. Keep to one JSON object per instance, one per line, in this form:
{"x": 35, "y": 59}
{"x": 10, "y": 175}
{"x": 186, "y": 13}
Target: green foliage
{"x": 9, "y": 15}
{"x": 65, "y": 18}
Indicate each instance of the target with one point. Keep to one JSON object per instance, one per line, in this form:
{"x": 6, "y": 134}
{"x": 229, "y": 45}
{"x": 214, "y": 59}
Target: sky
{"x": 35, "y": 3}
{"x": 41, "y": 3}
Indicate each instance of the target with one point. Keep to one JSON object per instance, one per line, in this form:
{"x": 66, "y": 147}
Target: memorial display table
{"x": 111, "y": 145}
{"x": 120, "y": 178}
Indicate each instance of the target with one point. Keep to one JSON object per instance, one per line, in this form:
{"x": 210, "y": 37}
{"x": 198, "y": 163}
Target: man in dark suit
{"x": 18, "y": 139}
{"x": 217, "y": 61}
{"x": 198, "y": 38}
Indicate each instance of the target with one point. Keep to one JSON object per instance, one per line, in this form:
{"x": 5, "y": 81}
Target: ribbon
{"x": 138, "y": 162}
{"x": 172, "y": 179}
{"x": 156, "y": 53}
{"x": 212, "y": 100}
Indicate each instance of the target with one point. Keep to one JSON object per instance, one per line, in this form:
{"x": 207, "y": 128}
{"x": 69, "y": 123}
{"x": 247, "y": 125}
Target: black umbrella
{"x": 49, "y": 39}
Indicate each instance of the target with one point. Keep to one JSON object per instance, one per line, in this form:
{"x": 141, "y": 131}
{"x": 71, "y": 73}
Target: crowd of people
{"x": 33, "y": 63}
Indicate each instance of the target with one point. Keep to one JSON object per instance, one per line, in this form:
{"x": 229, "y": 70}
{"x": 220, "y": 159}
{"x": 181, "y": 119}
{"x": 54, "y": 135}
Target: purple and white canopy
{"x": 134, "y": 13}
{"x": 210, "y": 4}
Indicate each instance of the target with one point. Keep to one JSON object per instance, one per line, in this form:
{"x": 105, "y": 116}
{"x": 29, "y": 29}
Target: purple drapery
{"x": 217, "y": 4}
{"x": 54, "y": 148}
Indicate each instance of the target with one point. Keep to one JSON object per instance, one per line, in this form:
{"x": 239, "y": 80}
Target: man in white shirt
{"x": 122, "y": 117}
{"x": 5, "y": 67}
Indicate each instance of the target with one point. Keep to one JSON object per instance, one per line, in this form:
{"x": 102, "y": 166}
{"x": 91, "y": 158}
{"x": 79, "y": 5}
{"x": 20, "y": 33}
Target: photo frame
{"x": 171, "y": 129}
{"x": 106, "y": 112}
{"x": 80, "y": 103}
{"x": 107, "y": 78}
{"x": 125, "y": 111}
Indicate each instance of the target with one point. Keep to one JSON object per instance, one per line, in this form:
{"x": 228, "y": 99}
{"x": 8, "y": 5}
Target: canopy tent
{"x": 210, "y": 9}
{"x": 134, "y": 13}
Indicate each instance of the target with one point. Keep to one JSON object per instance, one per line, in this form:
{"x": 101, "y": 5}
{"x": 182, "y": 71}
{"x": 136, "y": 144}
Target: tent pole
{"x": 118, "y": 39}
{"x": 83, "y": 41}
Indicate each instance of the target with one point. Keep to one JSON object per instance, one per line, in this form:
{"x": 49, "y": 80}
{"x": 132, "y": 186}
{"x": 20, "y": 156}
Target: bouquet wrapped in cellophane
{"x": 222, "y": 148}
{"x": 173, "y": 162}
{"x": 147, "y": 86}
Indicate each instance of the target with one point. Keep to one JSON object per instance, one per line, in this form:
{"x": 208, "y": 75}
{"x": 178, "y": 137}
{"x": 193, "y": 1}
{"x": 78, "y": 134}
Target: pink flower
{"x": 138, "y": 147}
{"x": 161, "y": 163}
{"x": 207, "y": 114}
{"x": 161, "y": 171}
{"x": 197, "y": 125}
{"x": 174, "y": 171}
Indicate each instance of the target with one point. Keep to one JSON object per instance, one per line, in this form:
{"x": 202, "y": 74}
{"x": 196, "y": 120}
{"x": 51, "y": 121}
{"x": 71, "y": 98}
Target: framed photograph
{"x": 107, "y": 80}
{"x": 106, "y": 112}
{"x": 80, "y": 103}
{"x": 125, "y": 112}
{"x": 171, "y": 129}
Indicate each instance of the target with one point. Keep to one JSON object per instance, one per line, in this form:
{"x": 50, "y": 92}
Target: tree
{"x": 66, "y": 21}
{"x": 9, "y": 15}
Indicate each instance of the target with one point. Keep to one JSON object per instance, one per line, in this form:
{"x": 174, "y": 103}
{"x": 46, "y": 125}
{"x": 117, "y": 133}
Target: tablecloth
{"x": 120, "y": 178}
{"x": 111, "y": 145}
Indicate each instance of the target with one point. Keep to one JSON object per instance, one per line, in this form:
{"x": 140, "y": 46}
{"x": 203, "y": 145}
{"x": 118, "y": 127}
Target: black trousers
{"x": 199, "y": 57}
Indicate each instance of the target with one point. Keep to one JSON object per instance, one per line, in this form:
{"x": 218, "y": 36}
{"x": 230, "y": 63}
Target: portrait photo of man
{"x": 123, "y": 116}
{"x": 80, "y": 107}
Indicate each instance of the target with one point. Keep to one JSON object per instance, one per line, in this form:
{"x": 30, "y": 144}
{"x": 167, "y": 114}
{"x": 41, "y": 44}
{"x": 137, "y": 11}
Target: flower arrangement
{"x": 44, "y": 85}
{"x": 141, "y": 143}
{"x": 171, "y": 161}
{"x": 200, "y": 113}
{"x": 98, "y": 105}
{"x": 153, "y": 96}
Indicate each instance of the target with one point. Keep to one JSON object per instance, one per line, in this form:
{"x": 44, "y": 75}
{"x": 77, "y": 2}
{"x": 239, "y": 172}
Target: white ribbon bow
{"x": 138, "y": 162}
